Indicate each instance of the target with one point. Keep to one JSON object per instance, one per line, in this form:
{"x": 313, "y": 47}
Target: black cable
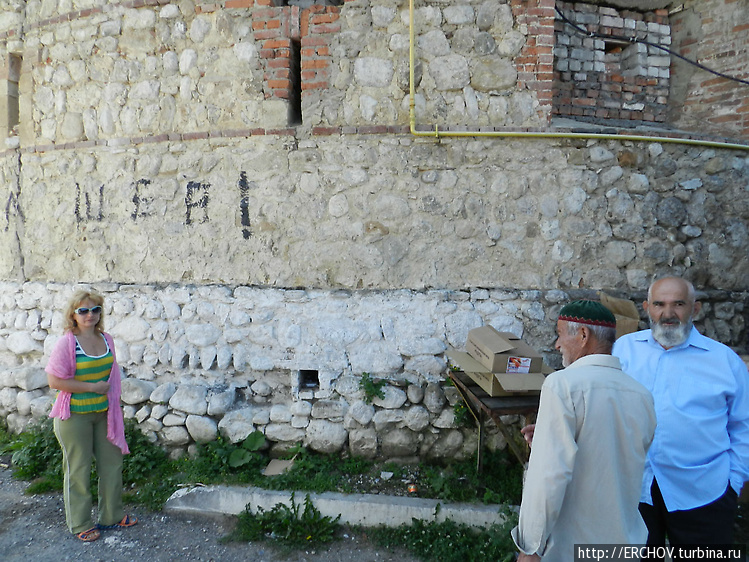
{"x": 644, "y": 42}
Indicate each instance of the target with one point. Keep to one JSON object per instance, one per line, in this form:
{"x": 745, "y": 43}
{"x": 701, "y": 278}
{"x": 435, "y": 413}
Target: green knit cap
{"x": 588, "y": 312}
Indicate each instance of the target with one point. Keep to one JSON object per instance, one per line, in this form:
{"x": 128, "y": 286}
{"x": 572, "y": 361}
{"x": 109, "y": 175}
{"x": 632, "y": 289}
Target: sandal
{"x": 127, "y": 521}
{"x": 89, "y": 536}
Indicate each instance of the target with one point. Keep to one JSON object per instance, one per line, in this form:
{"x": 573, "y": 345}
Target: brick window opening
{"x": 602, "y": 71}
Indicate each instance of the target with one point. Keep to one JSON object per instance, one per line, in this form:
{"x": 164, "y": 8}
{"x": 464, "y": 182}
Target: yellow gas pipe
{"x": 528, "y": 134}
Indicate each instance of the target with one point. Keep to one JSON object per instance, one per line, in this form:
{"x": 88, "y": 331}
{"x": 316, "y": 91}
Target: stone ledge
{"x": 367, "y": 510}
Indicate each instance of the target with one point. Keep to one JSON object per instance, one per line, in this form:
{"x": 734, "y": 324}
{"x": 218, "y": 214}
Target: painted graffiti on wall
{"x": 89, "y": 204}
{"x": 12, "y": 208}
{"x": 196, "y": 200}
{"x": 141, "y": 202}
{"x": 85, "y": 201}
{"x": 244, "y": 203}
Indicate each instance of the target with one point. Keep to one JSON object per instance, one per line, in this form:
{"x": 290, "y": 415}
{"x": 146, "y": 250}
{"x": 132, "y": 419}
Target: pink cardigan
{"x": 62, "y": 365}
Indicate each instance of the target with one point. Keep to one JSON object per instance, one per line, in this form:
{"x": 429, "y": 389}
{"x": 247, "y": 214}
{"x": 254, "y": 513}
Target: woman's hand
{"x": 72, "y": 385}
{"x": 101, "y": 387}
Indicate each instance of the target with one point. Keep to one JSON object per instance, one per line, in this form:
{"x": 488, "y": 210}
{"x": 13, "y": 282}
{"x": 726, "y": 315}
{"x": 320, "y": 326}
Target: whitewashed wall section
{"x": 200, "y": 361}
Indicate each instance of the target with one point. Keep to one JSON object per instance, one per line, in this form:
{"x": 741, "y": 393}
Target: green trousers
{"x": 83, "y": 438}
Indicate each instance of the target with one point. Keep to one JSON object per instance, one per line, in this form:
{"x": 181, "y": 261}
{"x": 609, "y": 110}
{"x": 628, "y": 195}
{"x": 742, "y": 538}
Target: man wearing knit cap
{"x": 592, "y": 433}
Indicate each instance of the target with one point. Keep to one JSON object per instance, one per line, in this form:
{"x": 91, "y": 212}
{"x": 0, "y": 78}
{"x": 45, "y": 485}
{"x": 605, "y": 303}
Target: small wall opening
{"x": 309, "y": 379}
{"x": 615, "y": 47}
{"x": 9, "y": 96}
{"x": 14, "y": 77}
{"x": 295, "y": 93}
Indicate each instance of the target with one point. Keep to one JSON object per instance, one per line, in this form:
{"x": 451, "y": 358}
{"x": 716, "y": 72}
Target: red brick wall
{"x": 535, "y": 64}
{"x": 318, "y": 24}
{"x": 275, "y": 28}
{"x": 716, "y": 34}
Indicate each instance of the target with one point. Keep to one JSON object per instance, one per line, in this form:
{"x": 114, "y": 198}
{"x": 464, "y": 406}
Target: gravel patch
{"x": 32, "y": 529}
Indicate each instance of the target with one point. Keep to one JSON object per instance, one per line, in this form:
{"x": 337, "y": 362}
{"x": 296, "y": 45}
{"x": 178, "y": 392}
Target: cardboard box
{"x": 625, "y": 311}
{"x": 496, "y": 384}
{"x": 502, "y": 352}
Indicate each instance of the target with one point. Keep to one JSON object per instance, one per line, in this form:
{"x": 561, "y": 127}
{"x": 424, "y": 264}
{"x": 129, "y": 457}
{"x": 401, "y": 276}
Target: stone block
{"x": 190, "y": 398}
{"x": 237, "y": 424}
{"x": 175, "y": 435}
{"x": 326, "y": 437}
{"x": 24, "y": 399}
{"x": 450, "y": 72}
{"x": 30, "y": 378}
{"x": 136, "y": 391}
{"x": 163, "y": 393}
{"x": 282, "y": 432}
{"x": 41, "y": 407}
{"x": 363, "y": 443}
{"x": 202, "y": 429}
{"x": 22, "y": 343}
{"x": 399, "y": 443}
{"x": 374, "y": 72}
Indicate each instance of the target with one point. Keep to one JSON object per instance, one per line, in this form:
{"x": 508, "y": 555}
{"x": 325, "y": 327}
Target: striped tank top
{"x": 90, "y": 369}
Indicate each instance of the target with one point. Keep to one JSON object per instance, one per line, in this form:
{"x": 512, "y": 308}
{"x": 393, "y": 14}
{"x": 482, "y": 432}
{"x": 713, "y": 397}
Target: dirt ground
{"x": 32, "y": 529}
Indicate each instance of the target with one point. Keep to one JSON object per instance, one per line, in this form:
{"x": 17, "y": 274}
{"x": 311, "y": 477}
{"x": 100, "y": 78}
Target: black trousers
{"x": 710, "y": 524}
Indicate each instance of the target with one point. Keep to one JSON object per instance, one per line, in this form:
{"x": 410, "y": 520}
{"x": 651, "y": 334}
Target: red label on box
{"x": 518, "y": 365}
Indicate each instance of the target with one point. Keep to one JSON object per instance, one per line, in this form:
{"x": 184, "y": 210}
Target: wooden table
{"x": 482, "y": 407}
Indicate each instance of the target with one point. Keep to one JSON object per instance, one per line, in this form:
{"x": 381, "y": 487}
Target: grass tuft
{"x": 287, "y": 525}
{"x": 448, "y": 541}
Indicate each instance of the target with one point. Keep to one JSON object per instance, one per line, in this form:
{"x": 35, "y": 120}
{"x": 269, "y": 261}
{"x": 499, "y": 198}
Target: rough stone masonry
{"x": 245, "y": 244}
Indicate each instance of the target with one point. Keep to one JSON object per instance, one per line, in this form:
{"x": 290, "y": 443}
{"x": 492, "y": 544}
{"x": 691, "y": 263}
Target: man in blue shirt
{"x": 699, "y": 458}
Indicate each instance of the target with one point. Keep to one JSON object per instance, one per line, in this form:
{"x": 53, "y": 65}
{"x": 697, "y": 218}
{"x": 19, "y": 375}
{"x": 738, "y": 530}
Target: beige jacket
{"x": 582, "y": 485}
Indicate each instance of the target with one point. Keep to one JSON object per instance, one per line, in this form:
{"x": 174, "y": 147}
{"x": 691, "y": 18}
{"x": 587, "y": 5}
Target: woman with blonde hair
{"x": 88, "y": 418}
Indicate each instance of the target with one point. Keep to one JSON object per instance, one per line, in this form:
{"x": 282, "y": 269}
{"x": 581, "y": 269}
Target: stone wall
{"x": 380, "y": 211}
{"x": 209, "y": 360}
{"x": 246, "y": 239}
{"x": 204, "y": 360}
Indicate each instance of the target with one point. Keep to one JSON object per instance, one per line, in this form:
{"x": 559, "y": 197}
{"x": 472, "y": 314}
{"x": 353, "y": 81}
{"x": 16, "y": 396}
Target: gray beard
{"x": 671, "y": 335}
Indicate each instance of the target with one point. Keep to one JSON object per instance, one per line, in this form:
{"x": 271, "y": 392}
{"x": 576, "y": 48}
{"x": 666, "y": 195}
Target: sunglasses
{"x": 83, "y": 310}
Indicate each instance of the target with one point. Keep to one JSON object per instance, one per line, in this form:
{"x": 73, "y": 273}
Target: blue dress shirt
{"x": 702, "y": 407}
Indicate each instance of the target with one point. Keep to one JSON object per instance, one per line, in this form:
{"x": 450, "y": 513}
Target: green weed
{"x": 317, "y": 473}
{"x": 289, "y": 526}
{"x": 371, "y": 387}
{"x": 151, "y": 477}
{"x": 448, "y": 541}
{"x": 463, "y": 416}
{"x": 216, "y": 462}
{"x": 501, "y": 480}
{"x": 36, "y": 455}
{"x": 5, "y": 437}
{"x": 243, "y": 455}
{"x": 221, "y": 461}
{"x": 145, "y": 460}
{"x": 397, "y": 469}
{"x": 147, "y": 472}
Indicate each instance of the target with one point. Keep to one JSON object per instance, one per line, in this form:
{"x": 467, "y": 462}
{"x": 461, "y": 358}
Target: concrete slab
{"x": 355, "y": 509}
